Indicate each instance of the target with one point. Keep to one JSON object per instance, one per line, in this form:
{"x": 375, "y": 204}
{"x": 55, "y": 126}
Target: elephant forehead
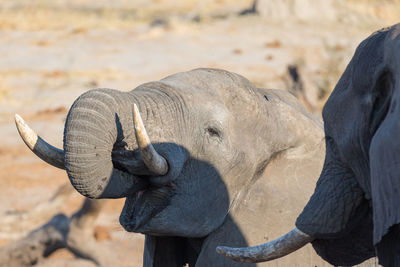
{"x": 209, "y": 81}
{"x": 215, "y": 112}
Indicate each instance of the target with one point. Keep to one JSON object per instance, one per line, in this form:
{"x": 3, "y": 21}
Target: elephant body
{"x": 241, "y": 163}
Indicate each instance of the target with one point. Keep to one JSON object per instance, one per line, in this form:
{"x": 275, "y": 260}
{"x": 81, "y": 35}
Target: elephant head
{"x": 354, "y": 211}
{"x": 190, "y": 153}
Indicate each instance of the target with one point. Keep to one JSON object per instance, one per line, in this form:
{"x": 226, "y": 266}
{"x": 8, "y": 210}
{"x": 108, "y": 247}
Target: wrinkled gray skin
{"x": 356, "y": 204}
{"x": 241, "y": 163}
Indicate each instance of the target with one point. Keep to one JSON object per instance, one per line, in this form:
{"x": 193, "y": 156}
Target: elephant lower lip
{"x": 142, "y": 206}
{"x": 128, "y": 219}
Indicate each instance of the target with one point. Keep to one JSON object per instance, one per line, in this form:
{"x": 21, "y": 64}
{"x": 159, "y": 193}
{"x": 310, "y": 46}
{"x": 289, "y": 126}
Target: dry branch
{"x": 74, "y": 233}
{"x": 17, "y": 225}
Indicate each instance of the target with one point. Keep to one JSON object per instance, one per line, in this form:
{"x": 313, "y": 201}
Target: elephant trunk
{"x": 91, "y": 131}
{"x": 95, "y": 141}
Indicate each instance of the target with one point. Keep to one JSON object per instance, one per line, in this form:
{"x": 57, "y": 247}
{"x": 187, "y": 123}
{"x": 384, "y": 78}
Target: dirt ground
{"x": 53, "y": 51}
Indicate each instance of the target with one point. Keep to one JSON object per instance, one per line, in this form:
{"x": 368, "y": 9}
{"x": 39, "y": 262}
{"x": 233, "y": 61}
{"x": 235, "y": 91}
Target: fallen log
{"x": 16, "y": 225}
{"x": 74, "y": 233}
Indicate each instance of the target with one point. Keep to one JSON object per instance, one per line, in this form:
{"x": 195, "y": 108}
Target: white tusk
{"x": 154, "y": 161}
{"x": 50, "y": 154}
{"x": 277, "y": 248}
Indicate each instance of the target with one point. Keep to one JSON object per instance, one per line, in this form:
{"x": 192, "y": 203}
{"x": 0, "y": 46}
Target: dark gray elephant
{"x": 228, "y": 163}
{"x": 355, "y": 209}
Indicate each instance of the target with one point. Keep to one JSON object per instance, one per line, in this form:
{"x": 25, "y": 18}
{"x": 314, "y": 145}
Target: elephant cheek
{"x": 384, "y": 154}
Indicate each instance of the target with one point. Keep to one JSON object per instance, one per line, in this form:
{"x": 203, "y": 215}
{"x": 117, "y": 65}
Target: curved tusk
{"x": 50, "y": 154}
{"x": 154, "y": 161}
{"x": 278, "y": 248}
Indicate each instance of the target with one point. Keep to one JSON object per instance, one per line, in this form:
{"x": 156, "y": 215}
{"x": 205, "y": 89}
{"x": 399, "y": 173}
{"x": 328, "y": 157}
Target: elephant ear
{"x": 384, "y": 154}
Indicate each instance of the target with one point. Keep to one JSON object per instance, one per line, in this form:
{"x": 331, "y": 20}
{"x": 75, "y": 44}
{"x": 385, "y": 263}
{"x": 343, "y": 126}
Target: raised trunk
{"x": 91, "y": 131}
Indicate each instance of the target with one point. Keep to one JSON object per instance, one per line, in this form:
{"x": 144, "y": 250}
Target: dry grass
{"x": 49, "y": 15}
{"x": 82, "y": 15}
{"x": 387, "y": 10}
{"x": 121, "y": 14}
{"x": 42, "y": 18}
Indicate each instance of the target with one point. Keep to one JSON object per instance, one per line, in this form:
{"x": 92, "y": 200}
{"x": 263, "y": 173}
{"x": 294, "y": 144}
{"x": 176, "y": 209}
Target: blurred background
{"x": 51, "y": 51}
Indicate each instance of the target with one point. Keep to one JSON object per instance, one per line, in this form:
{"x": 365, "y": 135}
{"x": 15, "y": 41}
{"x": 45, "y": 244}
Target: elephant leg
{"x": 388, "y": 249}
{"x": 170, "y": 251}
{"x": 227, "y": 234}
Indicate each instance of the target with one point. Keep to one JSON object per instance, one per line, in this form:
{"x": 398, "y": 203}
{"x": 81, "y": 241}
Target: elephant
{"x": 354, "y": 212}
{"x": 202, "y": 157}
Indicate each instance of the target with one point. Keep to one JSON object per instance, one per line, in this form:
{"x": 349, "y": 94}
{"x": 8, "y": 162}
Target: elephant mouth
{"x": 141, "y": 207}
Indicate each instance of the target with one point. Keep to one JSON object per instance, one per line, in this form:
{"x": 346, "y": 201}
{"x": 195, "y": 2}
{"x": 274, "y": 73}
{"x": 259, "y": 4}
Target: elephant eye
{"x": 213, "y": 132}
